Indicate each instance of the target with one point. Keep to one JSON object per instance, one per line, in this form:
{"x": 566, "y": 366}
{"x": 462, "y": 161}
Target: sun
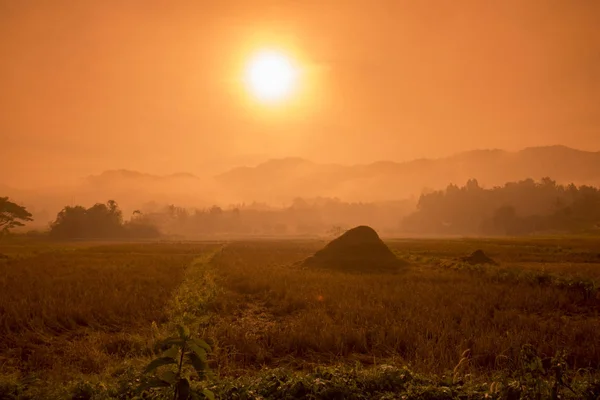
{"x": 271, "y": 76}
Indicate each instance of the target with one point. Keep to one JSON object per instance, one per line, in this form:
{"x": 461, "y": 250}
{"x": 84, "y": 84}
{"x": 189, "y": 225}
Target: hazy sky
{"x": 155, "y": 85}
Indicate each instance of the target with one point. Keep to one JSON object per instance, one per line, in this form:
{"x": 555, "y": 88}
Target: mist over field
{"x": 280, "y": 199}
{"x": 276, "y": 196}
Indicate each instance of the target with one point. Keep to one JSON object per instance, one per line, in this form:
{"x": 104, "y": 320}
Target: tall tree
{"x": 98, "y": 221}
{"x": 12, "y": 215}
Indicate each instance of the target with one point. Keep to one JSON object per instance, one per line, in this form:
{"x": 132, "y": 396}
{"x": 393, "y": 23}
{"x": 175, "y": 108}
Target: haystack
{"x": 358, "y": 250}
{"x": 478, "y": 257}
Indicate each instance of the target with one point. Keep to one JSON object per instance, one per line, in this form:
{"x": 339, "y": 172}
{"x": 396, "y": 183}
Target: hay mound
{"x": 358, "y": 250}
{"x": 478, "y": 257}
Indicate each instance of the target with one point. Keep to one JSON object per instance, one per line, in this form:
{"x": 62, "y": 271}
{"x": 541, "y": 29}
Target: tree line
{"x": 315, "y": 216}
{"x": 517, "y": 208}
{"x": 101, "y": 221}
{"x": 304, "y": 216}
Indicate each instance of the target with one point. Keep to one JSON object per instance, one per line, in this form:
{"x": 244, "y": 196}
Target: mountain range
{"x": 276, "y": 180}
{"x": 279, "y": 181}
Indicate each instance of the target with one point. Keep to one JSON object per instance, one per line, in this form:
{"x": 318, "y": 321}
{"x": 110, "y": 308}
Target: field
{"x": 82, "y": 320}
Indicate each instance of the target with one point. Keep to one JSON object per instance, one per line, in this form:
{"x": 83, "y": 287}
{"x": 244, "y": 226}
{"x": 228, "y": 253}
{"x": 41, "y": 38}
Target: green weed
{"x": 182, "y": 351}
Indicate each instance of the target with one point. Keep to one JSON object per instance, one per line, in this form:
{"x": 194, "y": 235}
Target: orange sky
{"x": 153, "y": 85}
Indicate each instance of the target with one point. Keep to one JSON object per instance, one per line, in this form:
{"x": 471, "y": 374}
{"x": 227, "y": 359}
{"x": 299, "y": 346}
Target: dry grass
{"x": 577, "y": 258}
{"x": 271, "y": 314}
{"x": 68, "y": 309}
{"x": 569, "y": 250}
{"x": 80, "y": 308}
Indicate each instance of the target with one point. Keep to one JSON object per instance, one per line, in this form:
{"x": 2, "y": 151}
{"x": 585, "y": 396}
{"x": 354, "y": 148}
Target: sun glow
{"x": 271, "y": 76}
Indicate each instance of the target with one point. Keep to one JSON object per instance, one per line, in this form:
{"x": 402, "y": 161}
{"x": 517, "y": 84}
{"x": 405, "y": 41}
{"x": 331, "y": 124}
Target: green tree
{"x": 12, "y": 215}
{"x": 98, "y": 221}
{"x": 70, "y": 222}
{"x": 514, "y": 209}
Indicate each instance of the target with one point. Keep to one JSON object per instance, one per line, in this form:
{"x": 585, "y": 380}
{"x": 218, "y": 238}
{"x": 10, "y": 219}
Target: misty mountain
{"x": 279, "y": 180}
{"x": 128, "y": 177}
{"x": 131, "y": 189}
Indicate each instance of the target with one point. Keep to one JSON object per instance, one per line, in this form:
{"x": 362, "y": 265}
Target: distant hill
{"x": 131, "y": 189}
{"x": 281, "y": 179}
{"x": 134, "y": 187}
{"x": 111, "y": 177}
